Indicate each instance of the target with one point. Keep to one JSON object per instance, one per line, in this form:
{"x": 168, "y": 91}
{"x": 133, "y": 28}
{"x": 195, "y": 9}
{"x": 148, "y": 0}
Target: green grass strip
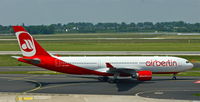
{"x": 198, "y": 94}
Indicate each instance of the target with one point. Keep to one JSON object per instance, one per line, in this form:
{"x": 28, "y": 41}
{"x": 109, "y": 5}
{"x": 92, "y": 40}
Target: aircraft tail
{"x": 28, "y": 45}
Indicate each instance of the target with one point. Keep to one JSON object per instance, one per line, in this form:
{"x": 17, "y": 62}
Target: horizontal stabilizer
{"x": 17, "y": 57}
{"x": 34, "y": 61}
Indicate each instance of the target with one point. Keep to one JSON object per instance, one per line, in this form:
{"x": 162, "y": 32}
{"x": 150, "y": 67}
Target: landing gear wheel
{"x": 103, "y": 79}
{"x": 113, "y": 80}
{"x": 133, "y": 76}
{"x": 174, "y": 77}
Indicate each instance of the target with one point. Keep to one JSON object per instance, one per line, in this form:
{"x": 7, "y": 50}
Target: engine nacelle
{"x": 144, "y": 75}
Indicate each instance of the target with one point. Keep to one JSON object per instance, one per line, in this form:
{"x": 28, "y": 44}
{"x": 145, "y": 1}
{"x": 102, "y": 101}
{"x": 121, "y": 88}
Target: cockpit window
{"x": 187, "y": 62}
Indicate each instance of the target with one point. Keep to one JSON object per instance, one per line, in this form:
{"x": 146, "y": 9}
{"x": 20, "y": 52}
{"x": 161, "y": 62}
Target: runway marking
{"x": 38, "y": 83}
{"x": 31, "y": 76}
{"x": 142, "y": 92}
{"x": 162, "y": 93}
{"x": 19, "y": 78}
{"x": 59, "y": 86}
{"x": 24, "y": 98}
{"x": 158, "y": 93}
{"x": 64, "y": 78}
{"x": 74, "y": 84}
{"x": 34, "y": 89}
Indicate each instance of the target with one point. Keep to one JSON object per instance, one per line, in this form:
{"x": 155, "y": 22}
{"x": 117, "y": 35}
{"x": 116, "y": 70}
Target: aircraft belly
{"x": 162, "y": 69}
{"x": 91, "y": 67}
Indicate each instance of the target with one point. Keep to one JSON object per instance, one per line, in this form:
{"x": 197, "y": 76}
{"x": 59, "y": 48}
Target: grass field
{"x": 90, "y": 35}
{"x": 198, "y": 94}
{"x": 7, "y": 60}
{"x": 104, "y": 42}
{"x": 107, "y": 46}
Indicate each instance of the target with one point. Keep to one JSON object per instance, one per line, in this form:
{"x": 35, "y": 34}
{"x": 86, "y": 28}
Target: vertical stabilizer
{"x": 28, "y": 45}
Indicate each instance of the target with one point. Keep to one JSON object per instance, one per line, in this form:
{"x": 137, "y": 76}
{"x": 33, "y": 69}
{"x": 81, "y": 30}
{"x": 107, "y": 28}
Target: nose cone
{"x": 189, "y": 66}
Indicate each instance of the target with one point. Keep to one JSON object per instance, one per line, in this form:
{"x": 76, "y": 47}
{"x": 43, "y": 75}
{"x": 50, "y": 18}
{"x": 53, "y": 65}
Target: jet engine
{"x": 144, "y": 75}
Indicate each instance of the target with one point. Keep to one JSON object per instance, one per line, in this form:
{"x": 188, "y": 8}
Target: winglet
{"x": 108, "y": 65}
{"x": 17, "y": 57}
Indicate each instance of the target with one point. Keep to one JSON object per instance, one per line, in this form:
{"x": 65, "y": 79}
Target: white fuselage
{"x": 156, "y": 64}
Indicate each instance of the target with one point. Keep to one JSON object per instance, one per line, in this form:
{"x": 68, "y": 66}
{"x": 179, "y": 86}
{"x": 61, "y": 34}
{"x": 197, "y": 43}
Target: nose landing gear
{"x": 174, "y": 76}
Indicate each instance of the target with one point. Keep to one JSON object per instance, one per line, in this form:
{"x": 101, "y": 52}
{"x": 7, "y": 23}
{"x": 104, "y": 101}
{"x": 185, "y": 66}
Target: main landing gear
{"x": 174, "y": 76}
{"x": 114, "y": 80}
{"x": 107, "y": 79}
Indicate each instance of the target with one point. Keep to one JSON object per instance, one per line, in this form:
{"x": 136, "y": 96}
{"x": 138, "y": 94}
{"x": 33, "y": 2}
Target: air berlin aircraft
{"x": 139, "y": 67}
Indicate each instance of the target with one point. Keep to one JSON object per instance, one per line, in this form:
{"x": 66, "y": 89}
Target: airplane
{"x": 137, "y": 67}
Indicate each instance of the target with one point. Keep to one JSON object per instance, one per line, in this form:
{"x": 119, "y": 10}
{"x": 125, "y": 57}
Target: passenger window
{"x": 187, "y": 62}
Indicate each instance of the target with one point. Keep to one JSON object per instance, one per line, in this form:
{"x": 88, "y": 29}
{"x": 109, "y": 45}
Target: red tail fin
{"x": 28, "y": 45}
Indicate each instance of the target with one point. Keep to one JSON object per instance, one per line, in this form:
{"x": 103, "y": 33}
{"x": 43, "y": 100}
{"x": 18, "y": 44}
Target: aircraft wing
{"x": 125, "y": 70}
{"x": 35, "y": 60}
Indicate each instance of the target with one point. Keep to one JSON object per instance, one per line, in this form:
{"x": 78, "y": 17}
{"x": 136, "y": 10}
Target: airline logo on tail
{"x": 26, "y": 43}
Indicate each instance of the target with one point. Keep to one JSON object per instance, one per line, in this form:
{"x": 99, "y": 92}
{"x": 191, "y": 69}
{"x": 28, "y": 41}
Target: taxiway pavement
{"x": 183, "y": 88}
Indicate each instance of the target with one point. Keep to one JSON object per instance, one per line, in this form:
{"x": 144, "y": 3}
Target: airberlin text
{"x": 161, "y": 63}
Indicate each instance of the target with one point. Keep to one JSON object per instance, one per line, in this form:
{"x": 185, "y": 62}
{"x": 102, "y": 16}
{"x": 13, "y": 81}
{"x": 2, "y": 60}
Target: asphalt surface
{"x": 154, "y": 53}
{"x": 20, "y": 68}
{"x": 160, "y": 87}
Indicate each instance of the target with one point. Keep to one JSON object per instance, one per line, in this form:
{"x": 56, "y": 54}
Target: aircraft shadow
{"x": 43, "y": 84}
{"x": 126, "y": 84}
{"x": 122, "y": 85}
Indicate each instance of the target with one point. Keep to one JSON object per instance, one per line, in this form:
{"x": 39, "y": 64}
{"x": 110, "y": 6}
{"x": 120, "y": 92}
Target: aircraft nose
{"x": 190, "y": 66}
